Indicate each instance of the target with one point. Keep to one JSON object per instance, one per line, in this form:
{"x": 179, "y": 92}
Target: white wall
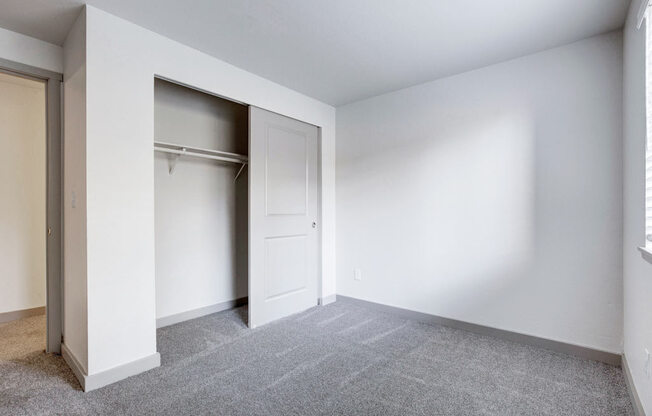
{"x": 30, "y": 51}
{"x": 201, "y": 213}
{"x": 492, "y": 197}
{"x": 122, "y": 60}
{"x": 637, "y": 272}
{"x": 22, "y": 184}
{"x": 75, "y": 322}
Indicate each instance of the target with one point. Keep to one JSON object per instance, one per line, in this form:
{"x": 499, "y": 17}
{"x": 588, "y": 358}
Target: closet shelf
{"x": 182, "y": 150}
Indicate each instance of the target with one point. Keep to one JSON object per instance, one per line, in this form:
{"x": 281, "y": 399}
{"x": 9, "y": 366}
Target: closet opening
{"x": 237, "y": 208}
{"x": 201, "y": 203}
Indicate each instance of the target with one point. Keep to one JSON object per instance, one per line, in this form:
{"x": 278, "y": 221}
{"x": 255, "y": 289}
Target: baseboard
{"x": 104, "y": 378}
{"x": 197, "y": 313}
{"x": 327, "y": 299}
{"x": 631, "y": 389}
{"x": 23, "y": 313}
{"x": 557, "y": 346}
{"x": 77, "y": 369}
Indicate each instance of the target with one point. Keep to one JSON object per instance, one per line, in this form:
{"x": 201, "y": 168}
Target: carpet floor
{"x": 340, "y": 359}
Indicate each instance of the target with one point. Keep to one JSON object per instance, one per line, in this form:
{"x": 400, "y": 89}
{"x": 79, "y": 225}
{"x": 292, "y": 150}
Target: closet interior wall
{"x": 201, "y": 212}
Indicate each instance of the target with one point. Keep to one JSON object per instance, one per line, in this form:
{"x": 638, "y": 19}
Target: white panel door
{"x": 283, "y": 212}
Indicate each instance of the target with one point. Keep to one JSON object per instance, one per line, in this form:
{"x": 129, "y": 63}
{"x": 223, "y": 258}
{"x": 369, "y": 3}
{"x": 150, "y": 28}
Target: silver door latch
{"x": 314, "y": 224}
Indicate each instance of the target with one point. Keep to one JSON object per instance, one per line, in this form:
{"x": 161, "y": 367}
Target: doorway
{"x": 31, "y": 220}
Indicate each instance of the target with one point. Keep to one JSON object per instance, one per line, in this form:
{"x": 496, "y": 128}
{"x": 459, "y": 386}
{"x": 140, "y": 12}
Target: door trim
{"x": 320, "y": 221}
{"x": 54, "y": 192}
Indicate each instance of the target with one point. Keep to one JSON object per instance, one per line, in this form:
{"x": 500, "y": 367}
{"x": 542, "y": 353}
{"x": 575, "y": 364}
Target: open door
{"x": 54, "y": 218}
{"x": 283, "y": 209}
{"x": 54, "y": 189}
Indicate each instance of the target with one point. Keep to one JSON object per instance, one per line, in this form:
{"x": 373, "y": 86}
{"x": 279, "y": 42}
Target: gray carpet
{"x": 341, "y": 359}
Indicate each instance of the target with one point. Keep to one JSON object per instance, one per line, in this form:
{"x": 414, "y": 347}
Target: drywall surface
{"x": 201, "y": 213}
{"x": 637, "y": 272}
{"x": 22, "y": 182}
{"x": 75, "y": 324}
{"x": 30, "y": 51}
{"x": 492, "y": 197}
{"x": 122, "y": 62}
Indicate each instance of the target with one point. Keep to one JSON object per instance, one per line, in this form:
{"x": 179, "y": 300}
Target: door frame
{"x": 54, "y": 192}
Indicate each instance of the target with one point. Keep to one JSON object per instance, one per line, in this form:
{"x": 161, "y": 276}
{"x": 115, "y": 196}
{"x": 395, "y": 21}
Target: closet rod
{"x": 187, "y": 151}
{"x": 180, "y": 150}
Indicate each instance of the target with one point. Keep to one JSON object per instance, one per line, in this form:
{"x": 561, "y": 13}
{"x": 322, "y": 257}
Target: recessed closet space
{"x": 201, "y": 202}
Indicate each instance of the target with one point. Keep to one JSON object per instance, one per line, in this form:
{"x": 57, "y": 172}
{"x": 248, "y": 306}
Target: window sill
{"x": 646, "y": 253}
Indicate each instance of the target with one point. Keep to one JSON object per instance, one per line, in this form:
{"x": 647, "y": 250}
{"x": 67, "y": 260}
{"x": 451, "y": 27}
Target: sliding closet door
{"x": 283, "y": 209}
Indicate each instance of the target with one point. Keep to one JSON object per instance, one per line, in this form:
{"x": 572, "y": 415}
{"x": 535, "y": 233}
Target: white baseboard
{"x": 631, "y": 388}
{"x": 24, "y": 313}
{"x": 588, "y": 353}
{"x": 199, "y": 312}
{"x": 78, "y": 370}
{"x": 104, "y": 378}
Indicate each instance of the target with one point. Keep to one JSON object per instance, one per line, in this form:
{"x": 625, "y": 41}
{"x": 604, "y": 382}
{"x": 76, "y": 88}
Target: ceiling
{"x": 339, "y": 51}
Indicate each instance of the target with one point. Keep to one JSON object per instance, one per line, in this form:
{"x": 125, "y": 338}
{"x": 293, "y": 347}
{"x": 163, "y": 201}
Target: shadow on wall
{"x": 466, "y": 203}
{"x": 500, "y": 221}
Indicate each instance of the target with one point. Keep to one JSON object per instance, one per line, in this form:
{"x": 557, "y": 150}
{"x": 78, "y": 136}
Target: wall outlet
{"x": 357, "y": 274}
{"x": 648, "y": 364}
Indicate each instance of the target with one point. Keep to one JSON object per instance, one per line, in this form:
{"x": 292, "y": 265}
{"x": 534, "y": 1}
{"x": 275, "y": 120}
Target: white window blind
{"x": 648, "y": 116}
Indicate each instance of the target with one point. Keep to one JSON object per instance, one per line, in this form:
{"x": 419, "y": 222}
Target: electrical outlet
{"x": 357, "y": 274}
{"x": 648, "y": 364}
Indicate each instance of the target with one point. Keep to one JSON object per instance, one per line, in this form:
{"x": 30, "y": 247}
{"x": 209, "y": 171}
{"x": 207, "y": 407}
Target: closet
{"x": 201, "y": 210}
{"x": 236, "y": 208}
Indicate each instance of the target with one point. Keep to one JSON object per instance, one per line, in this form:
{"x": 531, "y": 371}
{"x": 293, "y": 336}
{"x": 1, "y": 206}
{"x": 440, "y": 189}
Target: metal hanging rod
{"x": 181, "y": 150}
{"x": 199, "y": 152}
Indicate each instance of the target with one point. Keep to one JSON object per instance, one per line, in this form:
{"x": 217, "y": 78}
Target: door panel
{"x": 286, "y": 172}
{"x": 285, "y": 265}
{"x": 283, "y": 198}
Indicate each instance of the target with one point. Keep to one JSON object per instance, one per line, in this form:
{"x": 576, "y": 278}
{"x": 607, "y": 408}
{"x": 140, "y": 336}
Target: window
{"x": 648, "y": 141}
{"x": 644, "y": 15}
